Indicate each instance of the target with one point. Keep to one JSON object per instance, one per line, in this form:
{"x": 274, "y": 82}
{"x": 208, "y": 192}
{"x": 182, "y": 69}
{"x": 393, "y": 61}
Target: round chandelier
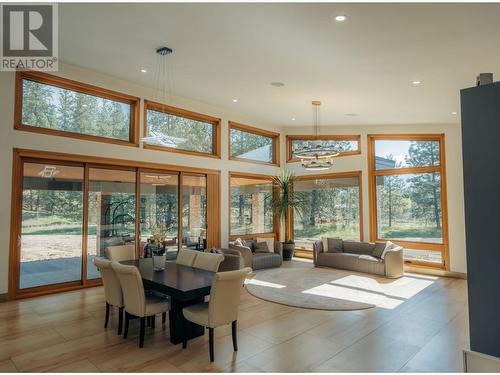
{"x": 316, "y": 155}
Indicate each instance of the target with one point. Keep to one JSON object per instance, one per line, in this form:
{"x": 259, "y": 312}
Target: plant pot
{"x": 288, "y": 251}
{"x": 159, "y": 262}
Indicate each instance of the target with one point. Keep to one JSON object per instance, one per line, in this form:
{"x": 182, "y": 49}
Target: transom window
{"x": 347, "y": 144}
{"x": 53, "y": 105}
{"x": 247, "y": 143}
{"x": 407, "y": 182}
{"x": 177, "y": 130}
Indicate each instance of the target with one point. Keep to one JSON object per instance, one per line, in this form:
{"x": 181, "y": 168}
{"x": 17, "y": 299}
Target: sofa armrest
{"x": 278, "y": 248}
{"x": 394, "y": 263}
{"x": 246, "y": 254}
{"x": 317, "y": 248}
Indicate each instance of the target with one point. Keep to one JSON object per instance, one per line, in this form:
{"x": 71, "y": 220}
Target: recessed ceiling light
{"x": 84, "y": 105}
{"x": 340, "y": 18}
{"x": 235, "y": 100}
{"x": 293, "y": 118}
{"x": 351, "y": 114}
{"x": 454, "y": 113}
{"x": 277, "y": 84}
{"x": 144, "y": 71}
{"x": 417, "y": 82}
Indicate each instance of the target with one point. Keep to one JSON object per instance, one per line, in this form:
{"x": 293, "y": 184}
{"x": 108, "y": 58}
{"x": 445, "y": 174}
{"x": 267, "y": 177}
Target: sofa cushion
{"x": 266, "y": 260}
{"x": 353, "y": 262}
{"x": 262, "y": 247}
{"x": 355, "y": 247}
{"x": 332, "y": 245}
{"x": 269, "y": 241}
{"x": 379, "y": 249}
{"x": 251, "y": 244}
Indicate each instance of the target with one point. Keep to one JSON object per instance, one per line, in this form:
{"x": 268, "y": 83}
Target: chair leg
{"x": 163, "y": 318}
{"x": 153, "y": 321}
{"x": 141, "y": 332}
{"x": 211, "y": 343}
{"x": 234, "y": 326}
{"x": 148, "y": 321}
{"x": 184, "y": 338}
{"x": 106, "y": 319}
{"x": 125, "y": 329}
{"x": 120, "y": 320}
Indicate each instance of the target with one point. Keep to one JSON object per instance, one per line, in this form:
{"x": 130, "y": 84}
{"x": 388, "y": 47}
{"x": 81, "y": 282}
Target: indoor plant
{"x": 158, "y": 251}
{"x": 284, "y": 202}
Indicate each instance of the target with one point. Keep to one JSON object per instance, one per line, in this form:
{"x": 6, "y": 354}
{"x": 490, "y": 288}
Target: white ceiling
{"x": 364, "y": 65}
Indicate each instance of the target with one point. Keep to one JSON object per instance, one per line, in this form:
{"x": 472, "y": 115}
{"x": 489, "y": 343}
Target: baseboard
{"x": 4, "y": 297}
{"x": 479, "y": 362}
{"x": 436, "y": 272}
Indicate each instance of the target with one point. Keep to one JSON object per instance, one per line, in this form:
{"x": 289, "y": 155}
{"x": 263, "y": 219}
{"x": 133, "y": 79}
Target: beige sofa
{"x": 384, "y": 259}
{"x": 257, "y": 260}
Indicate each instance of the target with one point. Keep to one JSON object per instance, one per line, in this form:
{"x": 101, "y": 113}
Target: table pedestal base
{"x": 177, "y": 325}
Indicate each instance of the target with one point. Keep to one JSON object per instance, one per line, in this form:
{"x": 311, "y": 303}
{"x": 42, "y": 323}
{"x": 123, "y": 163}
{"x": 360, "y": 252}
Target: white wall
{"x": 11, "y": 139}
{"x": 454, "y": 178}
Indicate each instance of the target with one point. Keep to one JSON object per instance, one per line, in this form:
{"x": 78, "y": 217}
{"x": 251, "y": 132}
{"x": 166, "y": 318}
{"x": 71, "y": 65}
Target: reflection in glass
{"x": 390, "y": 154}
{"x": 159, "y": 209}
{"x": 52, "y": 222}
{"x": 111, "y": 212}
{"x": 194, "y": 212}
{"x": 251, "y": 211}
{"x": 251, "y": 146}
{"x": 409, "y": 207}
{"x": 331, "y": 210}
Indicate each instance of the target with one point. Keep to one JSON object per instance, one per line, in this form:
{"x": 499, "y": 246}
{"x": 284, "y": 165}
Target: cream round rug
{"x": 331, "y": 289}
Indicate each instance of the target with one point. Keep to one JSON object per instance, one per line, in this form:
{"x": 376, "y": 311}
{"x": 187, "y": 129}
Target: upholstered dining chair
{"x": 112, "y": 290}
{"x": 120, "y": 253}
{"x": 208, "y": 261}
{"x": 137, "y": 303}
{"x": 222, "y": 308}
{"x": 186, "y": 257}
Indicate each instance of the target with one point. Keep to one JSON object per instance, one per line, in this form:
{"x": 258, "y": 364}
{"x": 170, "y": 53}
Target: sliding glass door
{"x": 194, "y": 211}
{"x": 51, "y": 224}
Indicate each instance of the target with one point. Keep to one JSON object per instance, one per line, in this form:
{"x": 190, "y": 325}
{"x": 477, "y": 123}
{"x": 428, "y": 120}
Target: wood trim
{"x": 15, "y": 224}
{"x": 137, "y": 212}
{"x": 301, "y": 253}
{"x": 213, "y": 211}
{"x": 80, "y": 87}
{"x": 276, "y": 226}
{"x": 103, "y": 162}
{"x": 57, "y": 288}
{"x": 357, "y": 174}
{"x": 85, "y": 227}
{"x": 163, "y": 108}
{"x": 441, "y": 169}
{"x": 258, "y": 131}
{"x": 294, "y": 137}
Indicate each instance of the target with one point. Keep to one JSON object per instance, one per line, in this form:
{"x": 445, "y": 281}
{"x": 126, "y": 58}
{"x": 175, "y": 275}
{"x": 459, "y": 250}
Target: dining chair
{"x": 186, "y": 257}
{"x": 208, "y": 261}
{"x": 221, "y": 309}
{"x": 112, "y": 290}
{"x": 137, "y": 303}
{"x": 120, "y": 253}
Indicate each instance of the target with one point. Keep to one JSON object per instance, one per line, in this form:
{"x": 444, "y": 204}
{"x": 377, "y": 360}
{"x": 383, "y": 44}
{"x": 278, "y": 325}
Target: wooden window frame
{"x": 443, "y": 247}
{"x": 305, "y": 253}
{"x": 20, "y": 156}
{"x": 79, "y": 87}
{"x": 257, "y": 131}
{"x": 179, "y": 112}
{"x": 276, "y": 222}
{"x": 291, "y": 138}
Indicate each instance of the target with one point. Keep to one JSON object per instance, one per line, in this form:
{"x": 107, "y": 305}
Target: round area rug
{"x": 321, "y": 288}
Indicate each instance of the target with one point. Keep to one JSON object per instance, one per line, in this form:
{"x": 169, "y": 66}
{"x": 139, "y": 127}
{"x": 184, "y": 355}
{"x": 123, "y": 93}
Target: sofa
{"x": 256, "y": 259}
{"x": 382, "y": 258}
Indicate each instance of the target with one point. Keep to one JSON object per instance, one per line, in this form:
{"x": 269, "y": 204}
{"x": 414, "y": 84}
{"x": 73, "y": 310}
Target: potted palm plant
{"x": 284, "y": 201}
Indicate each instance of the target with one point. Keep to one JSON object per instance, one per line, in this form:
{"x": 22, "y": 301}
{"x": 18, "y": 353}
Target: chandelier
{"x": 314, "y": 155}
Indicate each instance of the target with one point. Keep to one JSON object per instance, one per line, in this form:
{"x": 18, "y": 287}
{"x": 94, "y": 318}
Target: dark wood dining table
{"x": 185, "y": 285}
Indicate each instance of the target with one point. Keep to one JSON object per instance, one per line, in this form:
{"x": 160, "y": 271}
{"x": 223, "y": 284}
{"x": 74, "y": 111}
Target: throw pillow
{"x": 388, "y": 247}
{"x": 239, "y": 242}
{"x": 332, "y": 245}
{"x": 250, "y": 244}
{"x": 269, "y": 242}
{"x": 261, "y": 247}
{"x": 379, "y": 249}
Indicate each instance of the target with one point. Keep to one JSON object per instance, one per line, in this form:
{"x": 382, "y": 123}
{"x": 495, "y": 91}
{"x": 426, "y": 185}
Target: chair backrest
{"x": 112, "y": 287}
{"x": 186, "y": 257}
{"x": 120, "y": 253}
{"x": 132, "y": 287}
{"x": 225, "y": 296}
{"x": 208, "y": 261}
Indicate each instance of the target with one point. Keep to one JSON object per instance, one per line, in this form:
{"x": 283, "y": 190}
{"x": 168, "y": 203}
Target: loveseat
{"x": 382, "y": 258}
{"x": 256, "y": 259}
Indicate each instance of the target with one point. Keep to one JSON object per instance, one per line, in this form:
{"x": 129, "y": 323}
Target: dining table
{"x": 184, "y": 285}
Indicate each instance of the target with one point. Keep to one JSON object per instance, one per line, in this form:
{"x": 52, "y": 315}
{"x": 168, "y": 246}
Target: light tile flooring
{"x": 64, "y": 333}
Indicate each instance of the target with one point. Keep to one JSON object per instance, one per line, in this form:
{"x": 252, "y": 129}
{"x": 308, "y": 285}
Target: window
{"x": 53, "y": 105}
{"x": 194, "y": 212}
{"x": 177, "y": 130}
{"x": 349, "y": 144}
{"x": 250, "y": 204}
{"x": 332, "y": 208}
{"x": 408, "y": 203}
{"x": 247, "y": 143}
